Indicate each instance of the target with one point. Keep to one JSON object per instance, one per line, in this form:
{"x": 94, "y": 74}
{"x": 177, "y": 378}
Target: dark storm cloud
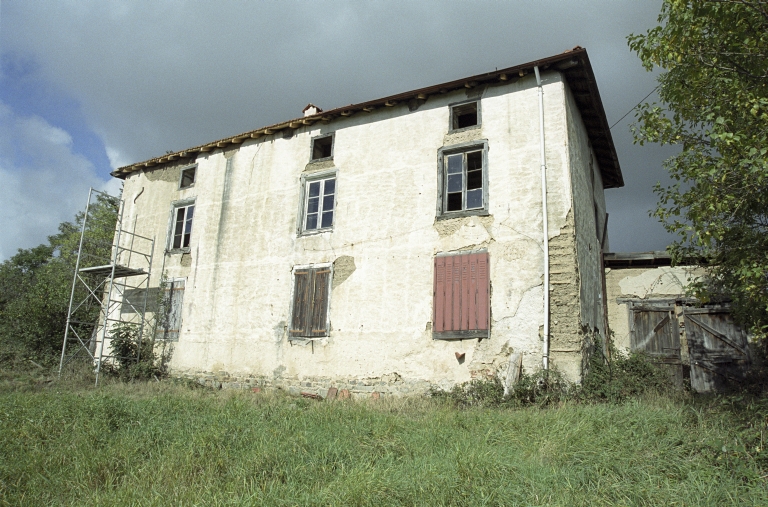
{"x": 166, "y": 75}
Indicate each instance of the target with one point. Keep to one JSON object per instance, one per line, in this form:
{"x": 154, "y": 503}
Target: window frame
{"x": 455, "y": 105}
{"x": 175, "y": 206}
{"x": 181, "y": 176}
{"x": 306, "y": 180}
{"x": 463, "y": 291}
{"x": 312, "y": 159}
{"x": 314, "y": 269}
{"x": 442, "y": 194}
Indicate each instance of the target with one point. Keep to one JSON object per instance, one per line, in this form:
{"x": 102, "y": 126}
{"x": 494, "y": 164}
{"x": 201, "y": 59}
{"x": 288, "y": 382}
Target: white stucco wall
{"x": 244, "y": 244}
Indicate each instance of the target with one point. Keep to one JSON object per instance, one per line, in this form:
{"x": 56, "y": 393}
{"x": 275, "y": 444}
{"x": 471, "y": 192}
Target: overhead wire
{"x": 635, "y": 107}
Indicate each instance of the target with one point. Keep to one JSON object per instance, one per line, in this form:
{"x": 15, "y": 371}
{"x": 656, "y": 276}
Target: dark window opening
{"x": 187, "y": 178}
{"x": 464, "y": 116}
{"x": 322, "y": 147}
{"x": 309, "y": 317}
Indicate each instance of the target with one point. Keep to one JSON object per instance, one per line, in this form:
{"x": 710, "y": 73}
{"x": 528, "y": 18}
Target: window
{"x": 461, "y": 307}
{"x": 187, "y": 177}
{"x": 318, "y": 201}
{"x": 309, "y": 318}
{"x": 463, "y": 180}
{"x": 322, "y": 148}
{"x": 465, "y": 115}
{"x": 169, "y": 320}
{"x": 182, "y": 225}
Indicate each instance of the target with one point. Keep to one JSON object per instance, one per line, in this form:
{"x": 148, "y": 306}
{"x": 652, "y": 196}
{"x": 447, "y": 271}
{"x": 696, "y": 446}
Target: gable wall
{"x": 244, "y": 244}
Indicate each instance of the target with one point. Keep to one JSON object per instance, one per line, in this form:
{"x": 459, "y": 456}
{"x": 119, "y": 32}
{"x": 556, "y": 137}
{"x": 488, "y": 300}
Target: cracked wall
{"x": 237, "y": 300}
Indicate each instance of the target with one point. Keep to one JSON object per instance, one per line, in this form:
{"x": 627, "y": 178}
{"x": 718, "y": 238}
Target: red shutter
{"x": 455, "y": 292}
{"x": 319, "y": 304}
{"x": 461, "y": 292}
{"x": 439, "y": 291}
{"x": 482, "y": 296}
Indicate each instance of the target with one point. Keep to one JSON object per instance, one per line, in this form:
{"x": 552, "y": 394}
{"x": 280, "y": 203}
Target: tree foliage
{"x": 35, "y": 286}
{"x": 714, "y": 106}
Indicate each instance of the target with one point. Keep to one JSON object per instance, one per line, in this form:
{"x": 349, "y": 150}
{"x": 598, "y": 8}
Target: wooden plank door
{"x": 718, "y": 349}
{"x": 654, "y": 331}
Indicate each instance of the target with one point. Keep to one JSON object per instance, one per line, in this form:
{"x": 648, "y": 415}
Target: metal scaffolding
{"x": 110, "y": 285}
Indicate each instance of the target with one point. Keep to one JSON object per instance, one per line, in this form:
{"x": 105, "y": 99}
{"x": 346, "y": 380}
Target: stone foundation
{"x": 373, "y": 387}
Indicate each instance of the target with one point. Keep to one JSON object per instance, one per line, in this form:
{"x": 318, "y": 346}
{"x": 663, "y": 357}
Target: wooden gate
{"x": 654, "y": 331}
{"x": 717, "y": 347}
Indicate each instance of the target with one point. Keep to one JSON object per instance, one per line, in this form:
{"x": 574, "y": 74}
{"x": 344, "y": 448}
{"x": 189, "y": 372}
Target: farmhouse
{"x": 426, "y": 238}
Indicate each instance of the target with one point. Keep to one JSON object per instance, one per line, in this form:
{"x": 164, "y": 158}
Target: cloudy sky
{"x": 87, "y": 86}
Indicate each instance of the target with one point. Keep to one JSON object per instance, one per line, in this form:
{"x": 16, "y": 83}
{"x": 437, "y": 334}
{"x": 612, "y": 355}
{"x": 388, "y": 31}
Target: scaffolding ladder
{"x": 110, "y": 285}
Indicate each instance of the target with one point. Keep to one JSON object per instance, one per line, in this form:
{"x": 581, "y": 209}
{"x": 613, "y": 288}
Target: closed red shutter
{"x": 482, "y": 293}
{"x": 440, "y": 298}
{"x": 461, "y": 294}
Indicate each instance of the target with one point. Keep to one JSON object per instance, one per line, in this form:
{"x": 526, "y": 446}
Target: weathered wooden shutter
{"x": 169, "y": 325}
{"x": 319, "y": 303}
{"x": 300, "y": 315}
{"x": 718, "y": 348}
{"x": 461, "y": 287}
{"x": 310, "y": 302}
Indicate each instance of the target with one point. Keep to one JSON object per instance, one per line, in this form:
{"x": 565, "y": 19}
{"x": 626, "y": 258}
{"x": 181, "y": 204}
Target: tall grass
{"x": 165, "y": 444}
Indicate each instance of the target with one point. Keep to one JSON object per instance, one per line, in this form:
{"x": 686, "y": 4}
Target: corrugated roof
{"x": 573, "y": 64}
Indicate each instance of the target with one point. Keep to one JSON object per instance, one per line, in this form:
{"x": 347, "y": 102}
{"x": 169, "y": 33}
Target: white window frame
{"x": 175, "y": 206}
{"x": 306, "y": 180}
{"x": 181, "y": 176}
{"x": 442, "y": 179}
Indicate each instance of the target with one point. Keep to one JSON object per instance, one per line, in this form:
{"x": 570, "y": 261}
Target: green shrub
{"x": 541, "y": 388}
{"x": 133, "y": 360}
{"x": 622, "y": 376}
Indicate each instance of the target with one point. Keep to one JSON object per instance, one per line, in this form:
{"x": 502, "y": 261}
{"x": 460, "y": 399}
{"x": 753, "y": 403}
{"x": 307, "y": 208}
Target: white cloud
{"x": 117, "y": 158}
{"x": 42, "y": 181}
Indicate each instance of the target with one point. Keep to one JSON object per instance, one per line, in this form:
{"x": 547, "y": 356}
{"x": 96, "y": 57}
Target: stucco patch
{"x": 464, "y": 233}
{"x": 164, "y": 174}
{"x": 343, "y": 267}
{"x": 318, "y": 166}
{"x": 465, "y": 136}
{"x": 186, "y": 260}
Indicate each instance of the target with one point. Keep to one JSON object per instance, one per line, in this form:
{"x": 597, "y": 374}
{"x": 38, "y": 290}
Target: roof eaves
{"x": 607, "y": 159}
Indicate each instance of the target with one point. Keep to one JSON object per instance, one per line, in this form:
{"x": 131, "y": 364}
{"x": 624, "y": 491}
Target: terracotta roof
{"x": 573, "y": 64}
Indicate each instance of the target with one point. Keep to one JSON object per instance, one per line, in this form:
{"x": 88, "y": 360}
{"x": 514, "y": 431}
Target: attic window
{"x": 322, "y": 147}
{"x": 464, "y": 115}
{"x": 187, "y": 177}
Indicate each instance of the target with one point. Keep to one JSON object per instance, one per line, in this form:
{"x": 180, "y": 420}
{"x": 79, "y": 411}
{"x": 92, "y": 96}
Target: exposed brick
{"x": 344, "y": 394}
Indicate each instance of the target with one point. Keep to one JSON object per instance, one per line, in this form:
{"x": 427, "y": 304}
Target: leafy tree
{"x": 35, "y": 286}
{"x": 714, "y": 106}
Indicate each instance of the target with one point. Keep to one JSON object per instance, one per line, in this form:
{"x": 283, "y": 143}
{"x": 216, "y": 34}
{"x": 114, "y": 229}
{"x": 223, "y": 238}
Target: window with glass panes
{"x": 182, "y": 227}
{"x": 463, "y": 181}
{"x": 319, "y": 204}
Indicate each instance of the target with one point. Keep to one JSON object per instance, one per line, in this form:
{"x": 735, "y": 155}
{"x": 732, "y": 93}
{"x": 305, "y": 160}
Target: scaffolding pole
{"x": 110, "y": 286}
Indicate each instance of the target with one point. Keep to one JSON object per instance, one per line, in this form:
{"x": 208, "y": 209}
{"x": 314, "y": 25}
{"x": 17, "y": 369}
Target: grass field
{"x": 166, "y": 444}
